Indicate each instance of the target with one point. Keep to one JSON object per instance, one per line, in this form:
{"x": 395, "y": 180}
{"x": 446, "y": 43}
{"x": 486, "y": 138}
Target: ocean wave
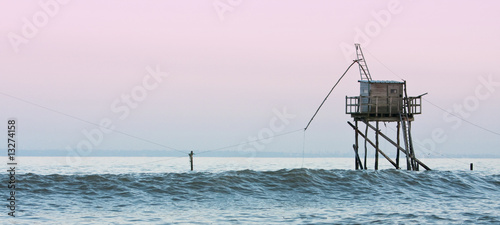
{"x": 335, "y": 184}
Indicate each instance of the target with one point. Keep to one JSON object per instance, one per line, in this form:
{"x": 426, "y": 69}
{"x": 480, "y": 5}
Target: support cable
{"x": 459, "y": 117}
{"x": 91, "y": 123}
{"x": 435, "y": 105}
{"x": 161, "y": 160}
{"x": 248, "y": 142}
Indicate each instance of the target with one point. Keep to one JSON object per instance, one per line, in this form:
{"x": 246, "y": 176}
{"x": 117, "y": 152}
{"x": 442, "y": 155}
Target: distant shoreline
{"x": 229, "y": 154}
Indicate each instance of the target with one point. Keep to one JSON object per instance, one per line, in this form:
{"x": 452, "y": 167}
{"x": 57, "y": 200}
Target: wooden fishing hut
{"x": 383, "y": 101}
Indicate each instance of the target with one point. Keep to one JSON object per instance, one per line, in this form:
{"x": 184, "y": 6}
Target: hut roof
{"x": 381, "y": 81}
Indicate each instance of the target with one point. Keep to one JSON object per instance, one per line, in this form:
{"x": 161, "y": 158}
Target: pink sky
{"x": 226, "y": 76}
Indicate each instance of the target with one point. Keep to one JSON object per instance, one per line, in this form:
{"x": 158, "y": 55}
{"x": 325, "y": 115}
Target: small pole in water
{"x": 471, "y": 166}
{"x": 191, "y": 159}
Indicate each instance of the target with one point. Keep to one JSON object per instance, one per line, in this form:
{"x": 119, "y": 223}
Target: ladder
{"x": 404, "y": 117}
{"x": 363, "y": 68}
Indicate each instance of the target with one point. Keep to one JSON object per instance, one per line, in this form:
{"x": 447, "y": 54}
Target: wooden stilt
{"x": 376, "y": 147}
{"x": 407, "y": 149}
{"x": 366, "y": 148}
{"x": 414, "y": 164}
{"x": 356, "y": 158}
{"x": 373, "y": 145}
{"x": 399, "y": 147}
{"x": 356, "y": 148}
{"x": 397, "y": 150}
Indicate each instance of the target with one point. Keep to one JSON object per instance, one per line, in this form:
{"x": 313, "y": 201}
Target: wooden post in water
{"x": 373, "y": 144}
{"x": 358, "y": 162}
{"x": 356, "y": 148}
{"x": 376, "y": 152}
{"x": 191, "y": 159}
{"x": 407, "y": 148}
{"x": 394, "y": 143}
{"x": 366, "y": 148}
{"x": 414, "y": 163}
{"x": 397, "y": 149}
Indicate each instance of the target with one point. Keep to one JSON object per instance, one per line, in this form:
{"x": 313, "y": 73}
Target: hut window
{"x": 394, "y": 91}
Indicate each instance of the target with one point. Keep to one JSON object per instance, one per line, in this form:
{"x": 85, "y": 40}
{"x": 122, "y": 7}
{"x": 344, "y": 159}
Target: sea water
{"x": 148, "y": 190}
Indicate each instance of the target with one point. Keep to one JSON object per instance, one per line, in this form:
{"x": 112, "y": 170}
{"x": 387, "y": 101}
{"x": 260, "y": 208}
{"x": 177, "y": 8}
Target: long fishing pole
{"x": 354, "y": 61}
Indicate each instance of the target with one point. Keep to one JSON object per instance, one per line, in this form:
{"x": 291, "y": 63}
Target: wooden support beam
{"x": 376, "y": 147}
{"x": 372, "y": 144}
{"x": 407, "y": 149}
{"x": 398, "y": 143}
{"x": 366, "y": 148}
{"x": 356, "y": 158}
{"x": 356, "y": 149}
{"x": 397, "y": 146}
{"x": 415, "y": 164}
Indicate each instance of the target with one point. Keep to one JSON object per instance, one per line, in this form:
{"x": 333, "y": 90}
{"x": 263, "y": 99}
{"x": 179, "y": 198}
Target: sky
{"x": 88, "y": 76}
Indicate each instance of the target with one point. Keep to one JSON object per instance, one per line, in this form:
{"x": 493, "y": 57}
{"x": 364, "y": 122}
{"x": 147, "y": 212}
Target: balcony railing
{"x": 382, "y": 105}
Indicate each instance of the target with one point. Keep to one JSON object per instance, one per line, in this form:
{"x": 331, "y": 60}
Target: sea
{"x": 164, "y": 190}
